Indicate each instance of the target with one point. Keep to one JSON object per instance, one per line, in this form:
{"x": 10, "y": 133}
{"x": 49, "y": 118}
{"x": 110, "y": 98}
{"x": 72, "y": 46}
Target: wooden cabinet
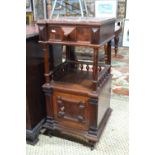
{"x": 78, "y": 92}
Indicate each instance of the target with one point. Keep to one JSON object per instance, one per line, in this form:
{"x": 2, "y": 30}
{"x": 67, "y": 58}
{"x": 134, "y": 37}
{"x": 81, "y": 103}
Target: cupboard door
{"x": 71, "y": 110}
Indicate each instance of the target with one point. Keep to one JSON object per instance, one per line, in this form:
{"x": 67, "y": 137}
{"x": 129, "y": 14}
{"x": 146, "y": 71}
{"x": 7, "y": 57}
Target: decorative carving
{"x": 42, "y": 34}
{"x": 95, "y": 34}
{"x": 41, "y": 28}
{"x": 67, "y": 30}
{"x": 65, "y": 106}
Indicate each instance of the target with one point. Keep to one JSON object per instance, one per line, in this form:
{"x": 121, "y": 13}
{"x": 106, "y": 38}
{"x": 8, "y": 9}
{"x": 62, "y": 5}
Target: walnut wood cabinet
{"x": 77, "y": 92}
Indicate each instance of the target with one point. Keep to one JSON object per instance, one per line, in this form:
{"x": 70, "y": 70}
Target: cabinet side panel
{"x": 104, "y": 100}
{"x": 107, "y": 31}
{"x": 34, "y": 81}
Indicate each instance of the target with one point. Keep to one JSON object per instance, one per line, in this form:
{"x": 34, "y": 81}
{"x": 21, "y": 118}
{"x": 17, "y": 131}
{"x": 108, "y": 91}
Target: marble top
{"x": 77, "y": 20}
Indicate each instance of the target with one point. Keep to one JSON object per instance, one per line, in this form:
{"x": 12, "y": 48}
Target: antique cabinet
{"x": 77, "y": 92}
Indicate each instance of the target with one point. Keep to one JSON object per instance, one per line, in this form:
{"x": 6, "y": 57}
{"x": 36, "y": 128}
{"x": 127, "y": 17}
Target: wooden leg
{"x": 92, "y": 145}
{"x": 46, "y": 63}
{"x": 116, "y": 39}
{"x": 109, "y": 54}
{"x": 95, "y": 69}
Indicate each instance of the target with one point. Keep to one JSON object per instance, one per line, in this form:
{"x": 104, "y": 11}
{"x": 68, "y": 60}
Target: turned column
{"x": 116, "y": 39}
{"x": 109, "y": 54}
{"x": 95, "y": 69}
{"x": 46, "y": 63}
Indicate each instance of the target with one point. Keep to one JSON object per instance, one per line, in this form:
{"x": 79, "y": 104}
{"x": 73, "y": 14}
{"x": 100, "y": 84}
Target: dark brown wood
{"x": 76, "y": 31}
{"x": 109, "y": 54}
{"x": 78, "y": 98}
{"x": 35, "y": 98}
{"x": 118, "y": 30}
{"x": 95, "y": 68}
{"x": 46, "y": 64}
{"x": 35, "y": 101}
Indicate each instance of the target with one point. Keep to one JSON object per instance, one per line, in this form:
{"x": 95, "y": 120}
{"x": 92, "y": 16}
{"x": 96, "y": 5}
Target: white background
{"x": 125, "y": 35}
{"x": 13, "y": 78}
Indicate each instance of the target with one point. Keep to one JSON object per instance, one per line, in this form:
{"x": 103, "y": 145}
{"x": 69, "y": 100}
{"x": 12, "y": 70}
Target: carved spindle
{"x": 87, "y": 67}
{"x": 100, "y": 68}
{"x": 81, "y": 66}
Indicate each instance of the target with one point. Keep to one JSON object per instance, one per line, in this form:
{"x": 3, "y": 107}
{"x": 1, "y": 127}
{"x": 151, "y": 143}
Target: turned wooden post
{"x": 95, "y": 69}
{"x": 109, "y": 54}
{"x": 46, "y": 63}
{"x": 116, "y": 39}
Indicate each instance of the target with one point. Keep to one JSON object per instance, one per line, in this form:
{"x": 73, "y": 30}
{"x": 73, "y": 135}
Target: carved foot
{"x": 32, "y": 142}
{"x": 92, "y": 145}
{"x": 48, "y": 133}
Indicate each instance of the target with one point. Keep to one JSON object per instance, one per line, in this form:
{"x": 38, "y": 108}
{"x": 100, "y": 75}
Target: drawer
{"x": 83, "y": 34}
{"x": 62, "y": 33}
{"x": 71, "y": 110}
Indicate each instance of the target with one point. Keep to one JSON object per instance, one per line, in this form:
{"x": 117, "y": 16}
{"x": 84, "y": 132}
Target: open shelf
{"x": 76, "y": 77}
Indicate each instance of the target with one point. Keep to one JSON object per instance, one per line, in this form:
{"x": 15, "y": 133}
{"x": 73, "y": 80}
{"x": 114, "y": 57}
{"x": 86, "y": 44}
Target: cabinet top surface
{"x": 77, "y": 20}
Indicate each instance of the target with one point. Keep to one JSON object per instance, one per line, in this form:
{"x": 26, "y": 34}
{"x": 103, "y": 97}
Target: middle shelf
{"x": 78, "y": 75}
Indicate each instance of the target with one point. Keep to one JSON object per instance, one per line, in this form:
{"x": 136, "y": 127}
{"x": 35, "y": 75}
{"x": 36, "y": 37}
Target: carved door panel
{"x": 71, "y": 110}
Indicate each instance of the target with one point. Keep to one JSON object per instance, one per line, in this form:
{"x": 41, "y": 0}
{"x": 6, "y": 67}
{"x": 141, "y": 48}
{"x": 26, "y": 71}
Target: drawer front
{"x": 55, "y": 33}
{"x": 62, "y": 33}
{"x": 71, "y": 110}
{"x": 83, "y": 34}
